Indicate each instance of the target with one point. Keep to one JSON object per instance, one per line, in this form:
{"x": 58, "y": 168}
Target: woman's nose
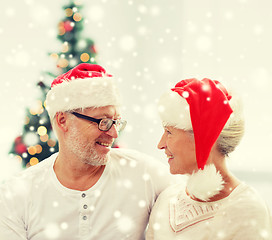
{"x": 162, "y": 142}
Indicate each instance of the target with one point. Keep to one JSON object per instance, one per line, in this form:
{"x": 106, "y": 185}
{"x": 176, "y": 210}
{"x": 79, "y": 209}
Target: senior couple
{"x": 89, "y": 190}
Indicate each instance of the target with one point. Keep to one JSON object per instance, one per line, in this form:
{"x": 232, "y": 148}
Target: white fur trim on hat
{"x": 205, "y": 183}
{"x": 82, "y": 93}
{"x": 174, "y": 111}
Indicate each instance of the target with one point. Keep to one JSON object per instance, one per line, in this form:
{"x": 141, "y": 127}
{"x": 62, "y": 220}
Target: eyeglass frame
{"x": 98, "y": 120}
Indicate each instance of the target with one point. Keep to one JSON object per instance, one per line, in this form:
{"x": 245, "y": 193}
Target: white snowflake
{"x": 40, "y": 13}
{"x": 31, "y": 138}
{"x": 125, "y": 224}
{"x": 155, "y": 10}
{"x": 10, "y": 12}
{"x": 127, "y": 43}
{"x": 229, "y": 15}
{"x": 156, "y": 226}
{"x": 123, "y": 161}
{"x": 191, "y": 27}
{"x": 258, "y": 29}
{"x": 64, "y": 225}
{"x": 264, "y": 233}
{"x": 117, "y": 214}
{"x": 142, "y": 203}
{"x": 19, "y": 58}
{"x": 146, "y": 177}
{"x": 137, "y": 108}
{"x": 52, "y": 231}
{"x": 128, "y": 128}
{"x": 97, "y": 193}
{"x": 127, "y": 183}
{"x": 221, "y": 234}
{"x": 142, "y": 9}
{"x": 167, "y": 64}
{"x": 96, "y": 13}
{"x": 204, "y": 43}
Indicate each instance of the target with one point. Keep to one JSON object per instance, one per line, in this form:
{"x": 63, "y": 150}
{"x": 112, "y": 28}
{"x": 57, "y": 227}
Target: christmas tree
{"x": 37, "y": 141}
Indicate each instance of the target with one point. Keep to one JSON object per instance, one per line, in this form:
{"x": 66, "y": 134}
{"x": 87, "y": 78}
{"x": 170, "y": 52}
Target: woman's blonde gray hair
{"x": 233, "y": 131}
{"x": 230, "y": 137}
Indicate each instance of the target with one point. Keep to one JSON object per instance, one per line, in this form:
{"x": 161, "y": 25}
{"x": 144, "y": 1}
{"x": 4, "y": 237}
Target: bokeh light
{"x": 33, "y": 161}
{"x": 68, "y": 12}
{"x": 42, "y": 130}
{"x": 84, "y": 57}
{"x": 44, "y": 138}
{"x": 63, "y": 63}
{"x": 77, "y": 17}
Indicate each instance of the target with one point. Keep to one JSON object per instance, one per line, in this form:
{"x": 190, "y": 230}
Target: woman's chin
{"x": 174, "y": 171}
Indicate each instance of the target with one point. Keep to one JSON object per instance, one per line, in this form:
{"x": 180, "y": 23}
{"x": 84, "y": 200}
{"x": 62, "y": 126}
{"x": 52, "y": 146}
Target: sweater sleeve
{"x": 12, "y": 225}
{"x": 12, "y": 209}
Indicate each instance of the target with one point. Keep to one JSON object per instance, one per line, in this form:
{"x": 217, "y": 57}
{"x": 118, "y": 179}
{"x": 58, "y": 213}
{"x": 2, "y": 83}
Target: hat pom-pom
{"x": 205, "y": 183}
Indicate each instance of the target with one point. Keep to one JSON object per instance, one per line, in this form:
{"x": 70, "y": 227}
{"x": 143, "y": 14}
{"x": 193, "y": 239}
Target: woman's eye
{"x": 167, "y": 131}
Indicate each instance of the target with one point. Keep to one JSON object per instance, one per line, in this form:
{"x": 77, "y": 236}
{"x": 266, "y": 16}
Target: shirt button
{"x": 85, "y": 206}
{"x": 84, "y": 217}
{"x": 83, "y": 195}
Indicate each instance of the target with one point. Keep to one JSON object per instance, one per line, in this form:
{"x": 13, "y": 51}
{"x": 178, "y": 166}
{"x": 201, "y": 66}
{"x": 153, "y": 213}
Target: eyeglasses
{"x": 104, "y": 124}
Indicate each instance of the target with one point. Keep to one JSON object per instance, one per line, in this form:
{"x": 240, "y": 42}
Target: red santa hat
{"x": 86, "y": 85}
{"x": 204, "y": 107}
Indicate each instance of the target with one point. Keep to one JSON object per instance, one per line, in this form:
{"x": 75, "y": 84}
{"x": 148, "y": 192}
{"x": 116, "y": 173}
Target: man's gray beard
{"x": 95, "y": 160}
{"x": 86, "y": 153}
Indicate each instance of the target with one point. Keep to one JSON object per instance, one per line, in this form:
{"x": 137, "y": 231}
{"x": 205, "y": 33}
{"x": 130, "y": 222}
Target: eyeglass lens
{"x": 105, "y": 124}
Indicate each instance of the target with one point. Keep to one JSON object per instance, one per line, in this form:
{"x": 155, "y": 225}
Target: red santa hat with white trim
{"x": 86, "y": 85}
{"x": 203, "y": 106}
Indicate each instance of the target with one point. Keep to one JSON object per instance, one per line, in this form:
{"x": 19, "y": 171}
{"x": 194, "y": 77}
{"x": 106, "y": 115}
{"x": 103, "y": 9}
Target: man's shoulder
{"x": 28, "y": 176}
{"x": 39, "y": 168}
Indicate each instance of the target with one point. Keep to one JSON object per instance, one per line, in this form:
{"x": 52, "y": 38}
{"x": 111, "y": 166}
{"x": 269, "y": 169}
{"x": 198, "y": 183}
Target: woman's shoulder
{"x": 246, "y": 200}
{"x": 246, "y": 194}
{"x": 250, "y": 212}
{"x": 172, "y": 192}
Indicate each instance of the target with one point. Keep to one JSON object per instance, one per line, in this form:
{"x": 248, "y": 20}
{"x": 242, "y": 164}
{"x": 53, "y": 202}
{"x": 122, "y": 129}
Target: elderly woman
{"x": 202, "y": 125}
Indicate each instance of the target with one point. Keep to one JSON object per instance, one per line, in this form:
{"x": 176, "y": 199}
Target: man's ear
{"x": 61, "y": 121}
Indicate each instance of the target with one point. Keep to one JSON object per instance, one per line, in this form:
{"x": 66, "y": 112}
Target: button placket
{"x": 84, "y": 216}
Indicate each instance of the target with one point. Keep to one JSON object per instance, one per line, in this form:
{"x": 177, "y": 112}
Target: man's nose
{"x": 112, "y": 131}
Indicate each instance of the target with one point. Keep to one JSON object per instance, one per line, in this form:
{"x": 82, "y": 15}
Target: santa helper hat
{"x": 202, "y": 106}
{"x": 86, "y": 85}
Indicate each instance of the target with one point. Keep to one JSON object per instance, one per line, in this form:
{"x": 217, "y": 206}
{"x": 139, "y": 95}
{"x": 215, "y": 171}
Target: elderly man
{"x": 87, "y": 190}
